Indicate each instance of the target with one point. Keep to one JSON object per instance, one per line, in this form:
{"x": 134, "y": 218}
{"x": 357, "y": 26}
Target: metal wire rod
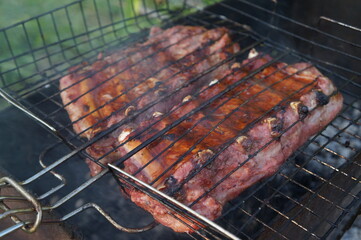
{"x": 176, "y": 203}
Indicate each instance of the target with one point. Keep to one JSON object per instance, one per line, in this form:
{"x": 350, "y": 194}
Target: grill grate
{"x": 296, "y": 200}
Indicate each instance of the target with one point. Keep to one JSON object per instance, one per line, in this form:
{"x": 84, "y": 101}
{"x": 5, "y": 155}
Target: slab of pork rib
{"x": 242, "y": 120}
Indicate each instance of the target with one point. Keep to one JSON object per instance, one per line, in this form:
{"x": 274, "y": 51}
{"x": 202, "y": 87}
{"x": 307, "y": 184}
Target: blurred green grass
{"x": 45, "y": 42}
{"x": 14, "y": 11}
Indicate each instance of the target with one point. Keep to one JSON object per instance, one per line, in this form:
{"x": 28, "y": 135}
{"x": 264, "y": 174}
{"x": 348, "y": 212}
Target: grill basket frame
{"x": 39, "y": 68}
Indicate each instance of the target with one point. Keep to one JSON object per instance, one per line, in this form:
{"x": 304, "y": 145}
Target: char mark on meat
{"x": 252, "y": 123}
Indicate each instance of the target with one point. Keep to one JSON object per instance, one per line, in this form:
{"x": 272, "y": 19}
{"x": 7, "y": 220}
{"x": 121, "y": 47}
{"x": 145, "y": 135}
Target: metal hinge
{"x": 23, "y": 195}
{"x": 18, "y": 193}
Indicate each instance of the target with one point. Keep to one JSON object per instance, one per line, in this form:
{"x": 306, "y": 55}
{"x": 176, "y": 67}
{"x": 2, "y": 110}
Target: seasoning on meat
{"x": 252, "y": 122}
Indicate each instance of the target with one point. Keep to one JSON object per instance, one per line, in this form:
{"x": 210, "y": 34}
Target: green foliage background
{"x": 53, "y": 33}
{"x": 14, "y": 11}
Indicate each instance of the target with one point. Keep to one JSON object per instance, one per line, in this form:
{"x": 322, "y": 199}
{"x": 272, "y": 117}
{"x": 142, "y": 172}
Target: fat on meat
{"x": 241, "y": 119}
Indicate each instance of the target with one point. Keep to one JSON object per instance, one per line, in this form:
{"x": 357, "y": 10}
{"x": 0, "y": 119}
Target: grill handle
{"x": 17, "y": 192}
{"x": 24, "y": 196}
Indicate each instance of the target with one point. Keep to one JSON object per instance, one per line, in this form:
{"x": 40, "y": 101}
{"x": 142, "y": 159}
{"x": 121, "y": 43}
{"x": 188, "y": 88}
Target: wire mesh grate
{"x": 286, "y": 203}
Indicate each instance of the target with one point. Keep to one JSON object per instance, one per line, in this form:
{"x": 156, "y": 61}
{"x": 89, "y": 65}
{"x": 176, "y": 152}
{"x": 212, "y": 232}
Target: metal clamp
{"x": 27, "y": 227}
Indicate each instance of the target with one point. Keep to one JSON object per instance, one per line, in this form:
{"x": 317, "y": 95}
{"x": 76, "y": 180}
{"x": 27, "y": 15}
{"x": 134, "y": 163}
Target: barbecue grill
{"x": 315, "y": 194}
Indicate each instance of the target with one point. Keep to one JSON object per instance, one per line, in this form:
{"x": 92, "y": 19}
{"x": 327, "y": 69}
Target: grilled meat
{"x": 220, "y": 134}
{"x": 103, "y": 93}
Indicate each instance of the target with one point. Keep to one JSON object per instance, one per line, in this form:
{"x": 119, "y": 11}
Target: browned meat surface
{"x": 114, "y": 87}
{"x": 239, "y": 126}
